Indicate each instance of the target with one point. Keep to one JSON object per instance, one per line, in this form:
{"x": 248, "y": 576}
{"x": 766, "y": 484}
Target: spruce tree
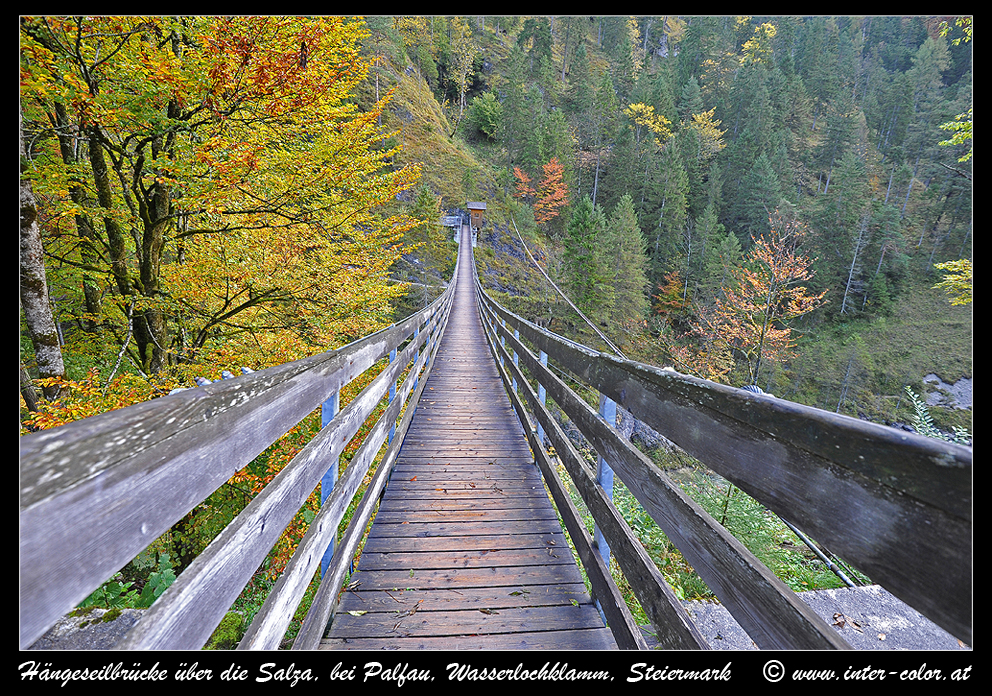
{"x": 626, "y": 266}
{"x": 721, "y": 258}
{"x": 761, "y": 195}
{"x": 585, "y": 276}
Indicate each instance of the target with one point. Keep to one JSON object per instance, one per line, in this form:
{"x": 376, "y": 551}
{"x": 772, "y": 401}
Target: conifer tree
{"x": 626, "y": 266}
{"x": 604, "y": 120}
{"x": 722, "y": 257}
{"x": 586, "y": 275}
{"x": 668, "y": 199}
{"x": 762, "y": 195}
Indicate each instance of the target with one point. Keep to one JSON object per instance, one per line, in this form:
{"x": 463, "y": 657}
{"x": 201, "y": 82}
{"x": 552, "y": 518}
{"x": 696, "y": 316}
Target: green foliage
{"x": 157, "y": 583}
{"x": 112, "y": 594}
{"x": 485, "y": 113}
{"x": 120, "y": 593}
{"x": 923, "y": 422}
{"x": 228, "y": 633}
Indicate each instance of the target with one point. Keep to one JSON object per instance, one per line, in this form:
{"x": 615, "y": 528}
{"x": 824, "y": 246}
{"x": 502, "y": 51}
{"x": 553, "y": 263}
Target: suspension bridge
{"x": 464, "y": 525}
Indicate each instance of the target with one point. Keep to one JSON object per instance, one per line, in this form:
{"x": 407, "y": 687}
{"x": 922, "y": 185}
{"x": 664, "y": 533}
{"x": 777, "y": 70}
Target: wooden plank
{"x": 487, "y": 506}
{"x": 427, "y": 529}
{"x": 465, "y": 598}
{"x": 594, "y": 639}
{"x": 472, "y": 622}
{"x": 466, "y": 542}
{"x": 436, "y": 558}
{"x": 490, "y": 516}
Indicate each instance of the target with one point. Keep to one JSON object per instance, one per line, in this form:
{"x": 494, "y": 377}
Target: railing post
{"x": 542, "y": 396}
{"x": 516, "y": 358}
{"x": 328, "y": 410}
{"x": 604, "y": 473}
{"x": 392, "y": 395}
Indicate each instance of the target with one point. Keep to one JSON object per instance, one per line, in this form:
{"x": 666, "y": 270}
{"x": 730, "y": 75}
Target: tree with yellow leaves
{"x": 758, "y": 49}
{"x": 644, "y": 117}
{"x": 957, "y": 281}
{"x": 708, "y": 133}
{"x": 238, "y": 186}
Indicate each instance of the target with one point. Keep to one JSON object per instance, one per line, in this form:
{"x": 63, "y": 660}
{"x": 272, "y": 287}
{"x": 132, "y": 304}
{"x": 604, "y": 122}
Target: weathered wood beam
{"x": 894, "y": 504}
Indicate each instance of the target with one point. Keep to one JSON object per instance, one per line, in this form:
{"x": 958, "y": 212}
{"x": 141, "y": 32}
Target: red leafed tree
{"x": 552, "y": 193}
{"x": 524, "y": 189}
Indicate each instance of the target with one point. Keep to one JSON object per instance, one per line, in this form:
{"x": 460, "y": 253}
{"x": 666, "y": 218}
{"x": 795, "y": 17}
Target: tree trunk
{"x": 34, "y": 285}
{"x": 27, "y": 390}
{"x": 115, "y": 235}
{"x": 84, "y": 226}
{"x": 152, "y": 337}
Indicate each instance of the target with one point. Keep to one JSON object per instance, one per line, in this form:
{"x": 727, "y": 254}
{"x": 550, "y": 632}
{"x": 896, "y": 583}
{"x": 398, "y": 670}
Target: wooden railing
{"x": 895, "y": 505}
{"x": 96, "y": 492}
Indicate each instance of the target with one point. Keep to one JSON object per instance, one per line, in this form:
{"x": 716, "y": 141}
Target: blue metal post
{"x": 502, "y": 342}
{"x": 416, "y": 376}
{"x": 542, "y": 396}
{"x": 328, "y": 410}
{"x": 392, "y": 394}
{"x": 516, "y": 358}
{"x": 604, "y": 473}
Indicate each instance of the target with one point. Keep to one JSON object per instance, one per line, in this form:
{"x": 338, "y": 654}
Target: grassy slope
{"x": 924, "y": 334}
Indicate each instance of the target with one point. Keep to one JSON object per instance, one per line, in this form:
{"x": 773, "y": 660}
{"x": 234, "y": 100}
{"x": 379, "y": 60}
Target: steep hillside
{"x": 857, "y": 362}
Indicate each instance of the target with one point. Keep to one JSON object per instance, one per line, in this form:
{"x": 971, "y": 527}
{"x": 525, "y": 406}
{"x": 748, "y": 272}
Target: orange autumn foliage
{"x": 551, "y": 194}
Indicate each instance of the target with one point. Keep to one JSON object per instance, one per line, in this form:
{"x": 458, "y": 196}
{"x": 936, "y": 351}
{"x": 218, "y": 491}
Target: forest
{"x": 776, "y": 201}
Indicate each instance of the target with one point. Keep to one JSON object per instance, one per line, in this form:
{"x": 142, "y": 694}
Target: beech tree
{"x": 957, "y": 281}
{"x": 549, "y": 196}
{"x": 236, "y": 180}
{"x": 752, "y": 319}
{"x": 34, "y": 290}
{"x": 552, "y": 192}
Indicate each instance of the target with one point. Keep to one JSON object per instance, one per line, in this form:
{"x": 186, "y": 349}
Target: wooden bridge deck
{"x": 466, "y": 551}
